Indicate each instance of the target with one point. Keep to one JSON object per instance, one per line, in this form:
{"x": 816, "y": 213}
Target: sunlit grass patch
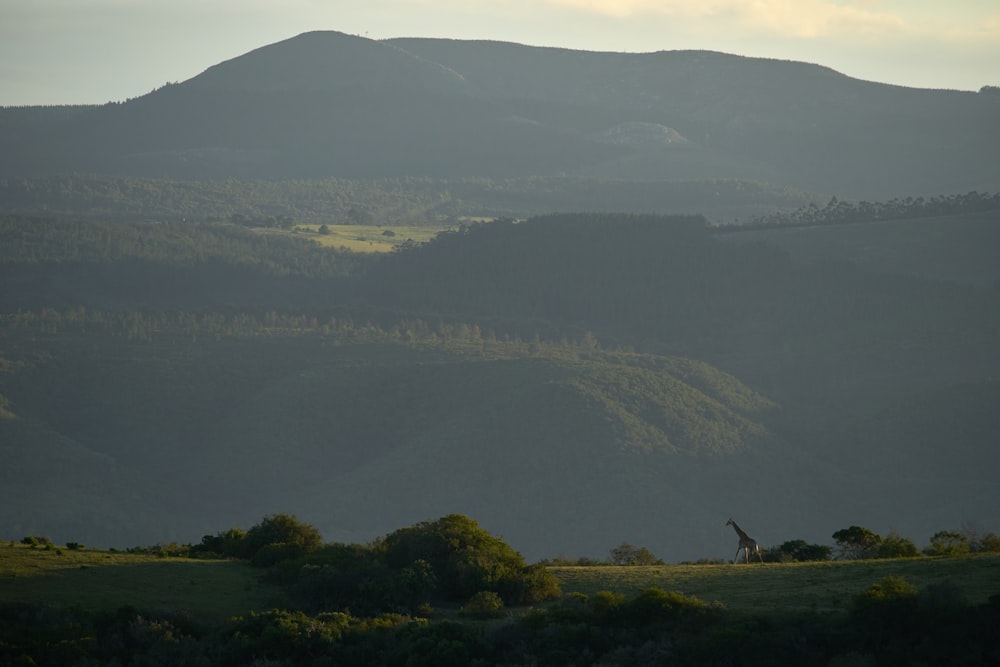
{"x": 369, "y": 238}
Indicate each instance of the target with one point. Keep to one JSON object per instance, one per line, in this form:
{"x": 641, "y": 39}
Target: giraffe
{"x": 747, "y": 544}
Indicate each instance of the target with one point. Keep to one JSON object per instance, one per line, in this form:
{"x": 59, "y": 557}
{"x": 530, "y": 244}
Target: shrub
{"x": 890, "y": 591}
{"x": 988, "y": 543}
{"x": 565, "y": 561}
{"x": 227, "y": 544}
{"x": 74, "y": 546}
{"x": 280, "y": 529}
{"x": 655, "y": 605}
{"x": 896, "y": 546}
{"x": 626, "y": 554}
{"x": 484, "y": 604}
{"x": 285, "y": 635}
{"x": 797, "y": 551}
{"x": 163, "y": 550}
{"x": 273, "y": 553}
{"x": 441, "y": 644}
{"x": 466, "y": 559}
{"x": 605, "y": 603}
{"x": 856, "y": 543}
{"x": 948, "y": 543}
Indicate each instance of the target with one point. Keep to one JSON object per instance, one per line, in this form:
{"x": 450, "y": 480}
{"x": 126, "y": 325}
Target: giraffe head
{"x": 730, "y": 522}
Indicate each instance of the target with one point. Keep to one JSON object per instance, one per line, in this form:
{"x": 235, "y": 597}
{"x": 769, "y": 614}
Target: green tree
{"x": 626, "y": 554}
{"x": 797, "y": 551}
{"x": 484, "y": 604}
{"x": 896, "y": 546}
{"x": 280, "y": 529}
{"x": 227, "y": 544}
{"x": 466, "y": 559}
{"x": 856, "y": 543}
{"x": 988, "y": 543}
{"x": 949, "y": 543}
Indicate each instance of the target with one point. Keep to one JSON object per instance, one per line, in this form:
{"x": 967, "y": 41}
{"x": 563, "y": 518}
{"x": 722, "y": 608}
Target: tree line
{"x": 46, "y": 240}
{"x": 854, "y": 543}
{"x": 344, "y": 326}
{"x": 837, "y": 211}
{"x": 307, "y": 201}
{"x": 409, "y": 200}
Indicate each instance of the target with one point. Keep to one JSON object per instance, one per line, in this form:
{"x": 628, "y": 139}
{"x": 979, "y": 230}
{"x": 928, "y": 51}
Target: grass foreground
{"x": 210, "y": 592}
{"x": 213, "y": 591}
{"x": 826, "y": 586}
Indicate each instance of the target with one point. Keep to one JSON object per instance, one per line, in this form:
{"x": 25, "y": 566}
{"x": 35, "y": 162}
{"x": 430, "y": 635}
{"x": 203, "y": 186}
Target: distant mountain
{"x": 329, "y": 104}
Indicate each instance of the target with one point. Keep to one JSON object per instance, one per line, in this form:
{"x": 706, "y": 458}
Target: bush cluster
{"x": 857, "y": 542}
{"x": 276, "y": 538}
{"x": 451, "y": 560}
{"x": 890, "y": 623}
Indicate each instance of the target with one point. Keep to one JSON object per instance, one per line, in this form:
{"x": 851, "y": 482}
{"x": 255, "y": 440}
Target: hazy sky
{"x": 93, "y": 51}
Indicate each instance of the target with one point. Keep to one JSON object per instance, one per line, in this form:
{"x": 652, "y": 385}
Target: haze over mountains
{"x": 329, "y": 104}
{"x": 571, "y": 380}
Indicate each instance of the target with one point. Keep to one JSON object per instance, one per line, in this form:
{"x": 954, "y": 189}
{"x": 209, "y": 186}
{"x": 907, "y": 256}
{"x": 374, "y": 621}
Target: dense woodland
{"x": 410, "y": 200}
{"x": 647, "y": 358}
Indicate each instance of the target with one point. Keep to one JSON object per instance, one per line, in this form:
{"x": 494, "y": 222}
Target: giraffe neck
{"x": 743, "y": 536}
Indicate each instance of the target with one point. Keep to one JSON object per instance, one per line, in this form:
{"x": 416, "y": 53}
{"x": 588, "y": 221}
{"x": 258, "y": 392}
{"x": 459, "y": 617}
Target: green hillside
{"x": 313, "y": 420}
{"x": 568, "y": 379}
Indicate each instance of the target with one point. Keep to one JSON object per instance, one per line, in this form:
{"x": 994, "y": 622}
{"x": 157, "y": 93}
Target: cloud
{"x": 797, "y": 19}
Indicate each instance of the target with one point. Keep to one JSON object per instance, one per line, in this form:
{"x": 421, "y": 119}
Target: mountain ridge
{"x": 329, "y": 104}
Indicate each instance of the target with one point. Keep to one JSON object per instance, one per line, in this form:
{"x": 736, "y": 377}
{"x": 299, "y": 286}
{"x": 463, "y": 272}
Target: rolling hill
{"x": 573, "y": 381}
{"x": 177, "y": 354}
{"x": 167, "y": 439}
{"x": 328, "y": 104}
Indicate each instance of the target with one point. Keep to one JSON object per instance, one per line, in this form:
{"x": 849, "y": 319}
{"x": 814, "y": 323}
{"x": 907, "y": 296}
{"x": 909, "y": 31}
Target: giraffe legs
{"x": 745, "y": 550}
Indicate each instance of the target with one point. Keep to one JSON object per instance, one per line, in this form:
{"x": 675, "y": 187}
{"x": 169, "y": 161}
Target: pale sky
{"x": 95, "y": 51}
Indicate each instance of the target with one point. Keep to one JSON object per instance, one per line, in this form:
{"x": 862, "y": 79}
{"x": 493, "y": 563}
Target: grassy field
{"x": 213, "y": 591}
{"x": 207, "y": 591}
{"x": 369, "y": 238}
{"x": 821, "y": 587}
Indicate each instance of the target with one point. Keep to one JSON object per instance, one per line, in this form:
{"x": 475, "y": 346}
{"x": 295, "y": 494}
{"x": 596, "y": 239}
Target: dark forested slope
{"x": 327, "y": 104}
{"x": 554, "y": 445}
{"x": 190, "y": 376}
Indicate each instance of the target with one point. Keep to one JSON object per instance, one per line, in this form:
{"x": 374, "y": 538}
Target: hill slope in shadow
{"x": 330, "y": 104}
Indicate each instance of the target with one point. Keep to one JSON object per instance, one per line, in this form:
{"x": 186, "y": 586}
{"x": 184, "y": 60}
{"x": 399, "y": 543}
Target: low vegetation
{"x": 446, "y": 592}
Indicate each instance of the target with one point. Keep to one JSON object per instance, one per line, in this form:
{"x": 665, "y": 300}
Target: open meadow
{"x": 216, "y": 590}
{"x": 369, "y": 238}
{"x": 210, "y": 592}
{"x": 818, "y": 586}
{"x": 77, "y": 606}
